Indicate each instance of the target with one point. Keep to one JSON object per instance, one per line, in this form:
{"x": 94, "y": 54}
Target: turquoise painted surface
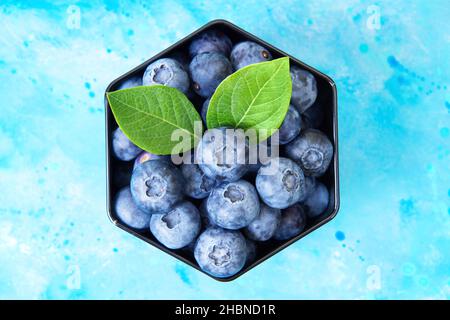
{"x": 391, "y": 64}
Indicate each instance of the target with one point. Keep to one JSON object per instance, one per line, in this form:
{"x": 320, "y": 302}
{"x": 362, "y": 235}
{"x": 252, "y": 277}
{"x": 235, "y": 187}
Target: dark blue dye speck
{"x": 393, "y": 62}
{"x": 91, "y": 94}
{"x": 87, "y": 85}
{"x": 115, "y": 249}
{"x": 13, "y": 71}
{"x": 108, "y": 50}
{"x": 447, "y": 105}
{"x": 130, "y": 32}
{"x": 340, "y": 235}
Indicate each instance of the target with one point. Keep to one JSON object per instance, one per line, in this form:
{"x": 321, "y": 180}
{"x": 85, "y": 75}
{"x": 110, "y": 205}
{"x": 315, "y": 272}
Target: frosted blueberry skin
{"x": 197, "y": 184}
{"x": 317, "y": 201}
{"x": 248, "y": 52}
{"x": 264, "y": 225}
{"x": 178, "y": 227}
{"x": 261, "y": 152}
{"x": 221, "y": 253}
{"x": 290, "y": 128}
{"x": 280, "y": 183}
{"x": 147, "y": 156}
{"x": 312, "y": 150}
{"x": 207, "y": 71}
{"x": 131, "y": 83}
{"x": 128, "y": 212}
{"x": 233, "y": 205}
{"x": 292, "y": 222}
{"x": 222, "y": 156}
{"x": 156, "y": 186}
{"x": 167, "y": 72}
{"x": 123, "y": 148}
{"x": 204, "y": 215}
{"x": 304, "y": 89}
{"x": 310, "y": 185}
{"x": 204, "y": 110}
{"x": 210, "y": 41}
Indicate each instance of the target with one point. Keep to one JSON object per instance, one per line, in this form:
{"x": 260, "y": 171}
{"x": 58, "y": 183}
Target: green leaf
{"x": 149, "y": 115}
{"x": 256, "y": 96}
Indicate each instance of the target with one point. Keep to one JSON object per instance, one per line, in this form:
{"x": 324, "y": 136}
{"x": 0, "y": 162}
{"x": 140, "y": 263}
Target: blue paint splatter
{"x": 115, "y": 250}
{"x": 408, "y": 269}
{"x": 181, "y": 271}
{"x": 447, "y": 105}
{"x": 445, "y": 132}
{"x": 340, "y": 235}
{"x": 407, "y": 207}
{"x": 91, "y": 94}
{"x": 393, "y": 62}
{"x": 363, "y": 47}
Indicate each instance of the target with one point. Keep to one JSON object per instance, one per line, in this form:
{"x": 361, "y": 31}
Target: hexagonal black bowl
{"x": 118, "y": 172}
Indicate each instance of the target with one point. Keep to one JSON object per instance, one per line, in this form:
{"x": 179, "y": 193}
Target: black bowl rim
{"x": 335, "y": 162}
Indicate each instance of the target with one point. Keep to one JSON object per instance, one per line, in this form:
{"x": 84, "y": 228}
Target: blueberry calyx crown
{"x": 312, "y": 159}
{"x": 156, "y": 187}
{"x": 220, "y": 255}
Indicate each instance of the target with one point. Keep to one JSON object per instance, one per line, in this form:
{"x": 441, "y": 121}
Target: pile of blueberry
{"x": 220, "y": 212}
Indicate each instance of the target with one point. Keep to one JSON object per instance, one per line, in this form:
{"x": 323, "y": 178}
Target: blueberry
{"x": 128, "y": 212}
{"x": 178, "y": 227}
{"x": 197, "y": 184}
{"x": 122, "y": 147}
{"x": 207, "y": 72}
{"x": 221, "y": 253}
{"x": 312, "y": 150}
{"x": 280, "y": 183}
{"x": 222, "y": 153}
{"x": 258, "y": 155}
{"x": 233, "y": 205}
{"x": 290, "y": 128}
{"x": 312, "y": 117}
{"x": 156, "y": 186}
{"x": 264, "y": 225}
{"x": 292, "y": 223}
{"x": 210, "y": 41}
{"x": 204, "y": 215}
{"x": 246, "y": 53}
{"x": 304, "y": 89}
{"x": 204, "y": 110}
{"x": 168, "y": 72}
{"x": 130, "y": 83}
{"x": 310, "y": 185}
{"x": 146, "y": 156}
{"x": 317, "y": 201}
{"x": 251, "y": 251}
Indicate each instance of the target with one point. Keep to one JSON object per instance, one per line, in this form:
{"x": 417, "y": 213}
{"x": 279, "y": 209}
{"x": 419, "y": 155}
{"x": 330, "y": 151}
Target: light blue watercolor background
{"x": 391, "y": 238}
